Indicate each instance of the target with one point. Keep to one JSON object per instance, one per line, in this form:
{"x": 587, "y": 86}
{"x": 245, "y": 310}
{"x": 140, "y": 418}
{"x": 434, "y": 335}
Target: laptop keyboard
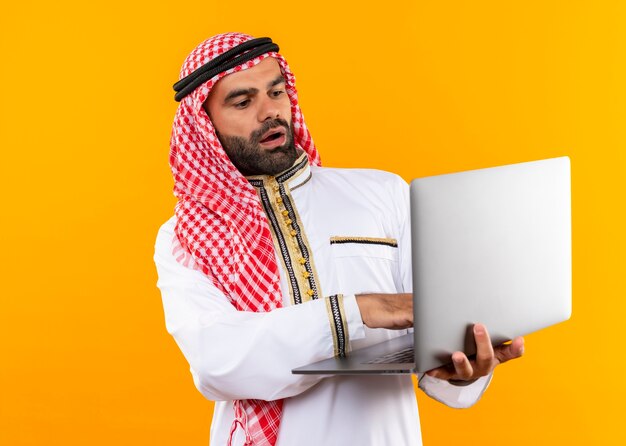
{"x": 399, "y": 357}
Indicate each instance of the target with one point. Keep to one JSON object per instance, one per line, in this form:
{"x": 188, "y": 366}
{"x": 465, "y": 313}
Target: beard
{"x": 250, "y": 158}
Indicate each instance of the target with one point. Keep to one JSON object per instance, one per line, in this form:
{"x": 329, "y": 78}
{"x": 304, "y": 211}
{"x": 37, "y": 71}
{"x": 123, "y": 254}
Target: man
{"x": 272, "y": 262}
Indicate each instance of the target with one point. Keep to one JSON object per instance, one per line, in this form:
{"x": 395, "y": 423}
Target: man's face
{"x": 251, "y": 113}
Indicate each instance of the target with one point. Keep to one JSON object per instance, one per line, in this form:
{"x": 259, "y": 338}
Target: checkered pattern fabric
{"x": 221, "y": 228}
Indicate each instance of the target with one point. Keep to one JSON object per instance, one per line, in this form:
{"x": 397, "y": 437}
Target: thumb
{"x": 513, "y": 350}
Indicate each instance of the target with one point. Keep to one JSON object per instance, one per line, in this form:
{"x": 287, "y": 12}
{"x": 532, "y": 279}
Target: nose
{"x": 268, "y": 109}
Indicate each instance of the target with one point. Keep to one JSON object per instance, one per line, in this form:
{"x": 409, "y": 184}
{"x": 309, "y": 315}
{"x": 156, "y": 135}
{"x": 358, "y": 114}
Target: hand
{"x": 393, "y": 311}
{"x": 487, "y": 358}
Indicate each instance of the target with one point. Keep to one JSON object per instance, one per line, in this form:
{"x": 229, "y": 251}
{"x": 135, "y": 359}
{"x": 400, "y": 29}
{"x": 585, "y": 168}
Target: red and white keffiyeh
{"x": 221, "y": 228}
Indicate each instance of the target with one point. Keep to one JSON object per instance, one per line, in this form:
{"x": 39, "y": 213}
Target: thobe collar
{"x": 293, "y": 177}
{"x": 290, "y": 242}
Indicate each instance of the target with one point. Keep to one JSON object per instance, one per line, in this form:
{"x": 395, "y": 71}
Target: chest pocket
{"x": 365, "y": 264}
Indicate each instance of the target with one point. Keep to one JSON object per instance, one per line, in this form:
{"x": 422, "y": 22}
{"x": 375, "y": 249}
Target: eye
{"x": 277, "y": 93}
{"x": 242, "y": 104}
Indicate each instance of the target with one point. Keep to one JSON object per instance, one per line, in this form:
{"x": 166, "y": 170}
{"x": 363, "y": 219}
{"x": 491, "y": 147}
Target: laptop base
{"x": 358, "y": 362}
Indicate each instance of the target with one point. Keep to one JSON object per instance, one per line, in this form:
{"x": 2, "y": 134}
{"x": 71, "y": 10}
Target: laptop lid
{"x": 489, "y": 245}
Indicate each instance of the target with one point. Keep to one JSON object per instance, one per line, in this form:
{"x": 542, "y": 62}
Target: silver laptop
{"x": 491, "y": 246}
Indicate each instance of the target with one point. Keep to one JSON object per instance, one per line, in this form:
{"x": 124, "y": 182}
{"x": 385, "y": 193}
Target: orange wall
{"x": 417, "y": 88}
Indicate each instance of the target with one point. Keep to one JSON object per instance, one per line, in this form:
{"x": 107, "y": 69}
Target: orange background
{"x": 416, "y": 88}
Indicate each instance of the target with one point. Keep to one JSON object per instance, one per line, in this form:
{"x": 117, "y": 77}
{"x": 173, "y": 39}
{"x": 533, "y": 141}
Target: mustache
{"x": 256, "y": 135}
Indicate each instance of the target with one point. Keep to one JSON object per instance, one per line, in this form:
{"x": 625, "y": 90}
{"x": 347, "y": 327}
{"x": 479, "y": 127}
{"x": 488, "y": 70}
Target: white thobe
{"x": 356, "y": 223}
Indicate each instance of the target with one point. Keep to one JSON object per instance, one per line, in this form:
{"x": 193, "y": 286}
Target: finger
{"x": 462, "y": 367}
{"x": 484, "y": 350}
{"x": 514, "y": 350}
{"x": 446, "y": 371}
{"x": 437, "y": 373}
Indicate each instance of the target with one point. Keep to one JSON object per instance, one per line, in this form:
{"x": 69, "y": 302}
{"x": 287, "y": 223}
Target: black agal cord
{"x": 223, "y": 62}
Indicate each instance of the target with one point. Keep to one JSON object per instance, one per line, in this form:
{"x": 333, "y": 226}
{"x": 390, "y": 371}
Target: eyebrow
{"x": 250, "y": 91}
{"x": 240, "y": 92}
{"x": 279, "y": 80}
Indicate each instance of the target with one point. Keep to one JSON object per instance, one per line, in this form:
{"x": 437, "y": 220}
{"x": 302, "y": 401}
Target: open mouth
{"x": 272, "y": 135}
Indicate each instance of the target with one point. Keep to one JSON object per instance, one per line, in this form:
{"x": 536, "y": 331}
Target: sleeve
{"x": 452, "y": 395}
{"x": 244, "y": 355}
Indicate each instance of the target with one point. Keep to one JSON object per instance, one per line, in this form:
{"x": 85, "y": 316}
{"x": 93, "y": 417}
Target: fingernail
{"x": 478, "y": 329}
{"x": 457, "y": 359}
